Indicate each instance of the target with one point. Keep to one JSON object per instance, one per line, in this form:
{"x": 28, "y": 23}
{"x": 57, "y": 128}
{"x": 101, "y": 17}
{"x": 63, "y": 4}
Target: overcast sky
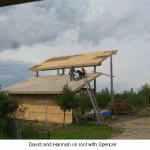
{"x": 34, "y": 32}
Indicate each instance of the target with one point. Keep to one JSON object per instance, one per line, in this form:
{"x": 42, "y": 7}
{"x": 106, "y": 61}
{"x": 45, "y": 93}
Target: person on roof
{"x": 84, "y": 73}
{"x": 71, "y": 72}
{"x": 81, "y": 74}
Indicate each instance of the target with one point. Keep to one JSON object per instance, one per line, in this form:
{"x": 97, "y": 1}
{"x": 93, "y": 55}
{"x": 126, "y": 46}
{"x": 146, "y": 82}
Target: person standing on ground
{"x": 71, "y": 72}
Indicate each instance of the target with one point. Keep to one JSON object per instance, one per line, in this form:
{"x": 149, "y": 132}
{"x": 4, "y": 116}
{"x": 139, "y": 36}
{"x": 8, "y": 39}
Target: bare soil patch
{"x": 133, "y": 127}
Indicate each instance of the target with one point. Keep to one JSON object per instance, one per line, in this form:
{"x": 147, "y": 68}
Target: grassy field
{"x": 75, "y": 131}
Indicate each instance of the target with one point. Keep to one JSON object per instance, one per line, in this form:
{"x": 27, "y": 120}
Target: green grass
{"x": 75, "y": 131}
{"x": 143, "y": 116}
{"x": 79, "y": 111}
{"x": 80, "y": 131}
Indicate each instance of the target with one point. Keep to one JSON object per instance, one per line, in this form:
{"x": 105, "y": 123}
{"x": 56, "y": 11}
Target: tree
{"x": 8, "y": 107}
{"x": 67, "y": 100}
{"x": 145, "y": 90}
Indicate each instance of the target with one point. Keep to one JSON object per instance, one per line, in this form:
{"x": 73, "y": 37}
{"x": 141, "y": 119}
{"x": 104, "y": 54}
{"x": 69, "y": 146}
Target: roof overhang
{"x": 76, "y": 65}
{"x": 15, "y": 2}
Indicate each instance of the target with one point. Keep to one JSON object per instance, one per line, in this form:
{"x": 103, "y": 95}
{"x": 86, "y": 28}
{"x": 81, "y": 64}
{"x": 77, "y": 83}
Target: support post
{"x": 57, "y": 71}
{"x": 63, "y": 71}
{"x": 46, "y": 111}
{"x": 82, "y": 103}
{"x": 37, "y": 73}
{"x": 94, "y": 90}
{"x": 111, "y": 73}
{"x": 94, "y": 82}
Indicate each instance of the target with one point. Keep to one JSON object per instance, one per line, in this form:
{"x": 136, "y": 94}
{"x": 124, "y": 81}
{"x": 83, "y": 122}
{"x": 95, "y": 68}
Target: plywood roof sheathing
{"x": 48, "y": 84}
{"x": 80, "y": 60}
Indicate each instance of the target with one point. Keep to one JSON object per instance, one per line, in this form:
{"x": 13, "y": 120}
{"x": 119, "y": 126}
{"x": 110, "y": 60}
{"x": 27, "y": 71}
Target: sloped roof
{"x": 49, "y": 84}
{"x": 81, "y": 60}
{"x": 14, "y": 2}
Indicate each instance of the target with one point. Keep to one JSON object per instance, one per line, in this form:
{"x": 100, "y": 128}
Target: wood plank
{"x": 107, "y": 74}
{"x": 94, "y": 82}
{"x": 63, "y": 71}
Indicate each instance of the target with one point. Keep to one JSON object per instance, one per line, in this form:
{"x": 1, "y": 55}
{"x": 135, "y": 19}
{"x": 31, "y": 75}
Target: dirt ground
{"x": 134, "y": 127}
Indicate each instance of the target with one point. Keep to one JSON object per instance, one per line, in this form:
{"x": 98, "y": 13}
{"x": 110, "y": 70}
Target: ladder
{"x": 93, "y": 101}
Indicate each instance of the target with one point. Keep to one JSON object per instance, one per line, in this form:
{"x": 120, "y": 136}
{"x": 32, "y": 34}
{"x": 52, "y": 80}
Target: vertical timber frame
{"x": 111, "y": 76}
{"x": 57, "y": 71}
{"x": 36, "y": 73}
{"x": 94, "y": 90}
{"x": 94, "y": 82}
{"x": 63, "y": 71}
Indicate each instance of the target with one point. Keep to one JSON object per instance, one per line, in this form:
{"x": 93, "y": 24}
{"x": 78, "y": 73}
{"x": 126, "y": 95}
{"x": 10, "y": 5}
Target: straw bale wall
{"x": 36, "y": 110}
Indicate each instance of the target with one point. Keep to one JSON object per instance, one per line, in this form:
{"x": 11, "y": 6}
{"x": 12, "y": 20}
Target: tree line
{"x": 103, "y": 97}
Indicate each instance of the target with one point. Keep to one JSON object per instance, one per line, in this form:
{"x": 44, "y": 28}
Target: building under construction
{"x": 44, "y": 88}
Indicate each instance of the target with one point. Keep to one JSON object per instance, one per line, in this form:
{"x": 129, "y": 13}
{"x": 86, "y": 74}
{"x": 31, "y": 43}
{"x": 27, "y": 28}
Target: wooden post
{"x": 74, "y": 117}
{"x": 37, "y": 73}
{"x": 82, "y": 103}
{"x": 94, "y": 82}
{"x": 94, "y": 90}
{"x": 46, "y": 110}
{"x": 63, "y": 71}
{"x": 57, "y": 71}
{"x": 111, "y": 73}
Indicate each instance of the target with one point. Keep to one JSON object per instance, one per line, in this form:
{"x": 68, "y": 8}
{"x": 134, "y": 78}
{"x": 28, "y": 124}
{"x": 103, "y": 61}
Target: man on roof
{"x": 81, "y": 74}
{"x": 71, "y": 72}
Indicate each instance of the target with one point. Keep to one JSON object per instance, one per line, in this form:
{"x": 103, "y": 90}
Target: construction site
{"x": 37, "y": 93}
{"x": 38, "y": 96}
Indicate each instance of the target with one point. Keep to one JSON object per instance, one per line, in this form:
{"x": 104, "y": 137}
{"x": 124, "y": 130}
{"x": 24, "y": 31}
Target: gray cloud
{"x": 14, "y": 72}
{"x": 45, "y": 21}
{"x": 37, "y": 23}
{"x": 109, "y": 27}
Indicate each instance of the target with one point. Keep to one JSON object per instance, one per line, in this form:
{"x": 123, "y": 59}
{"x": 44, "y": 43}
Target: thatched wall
{"x": 36, "y": 110}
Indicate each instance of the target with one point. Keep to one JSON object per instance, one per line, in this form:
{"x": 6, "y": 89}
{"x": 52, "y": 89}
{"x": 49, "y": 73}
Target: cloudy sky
{"x": 34, "y": 32}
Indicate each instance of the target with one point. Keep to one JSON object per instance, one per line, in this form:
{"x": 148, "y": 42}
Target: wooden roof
{"x": 81, "y": 60}
{"x": 48, "y": 84}
{"x": 14, "y": 2}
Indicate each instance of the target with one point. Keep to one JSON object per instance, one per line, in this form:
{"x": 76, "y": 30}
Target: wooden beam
{"x": 57, "y": 71}
{"x": 63, "y": 71}
{"x": 94, "y": 91}
{"x": 107, "y": 74}
{"x": 94, "y": 82}
{"x": 111, "y": 77}
{"x": 37, "y": 73}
